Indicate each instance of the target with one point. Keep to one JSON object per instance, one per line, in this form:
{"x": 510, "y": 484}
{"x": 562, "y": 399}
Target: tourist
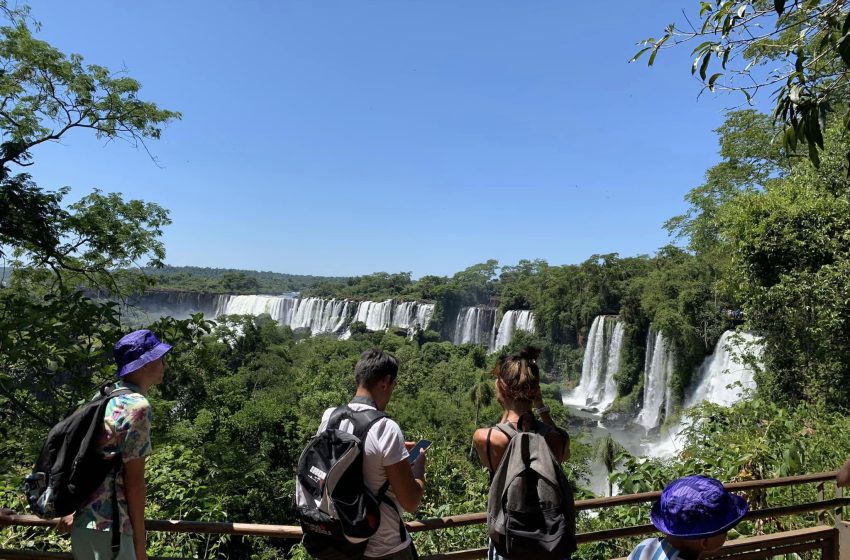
{"x": 694, "y": 513}
{"x": 518, "y": 391}
{"x": 385, "y": 457}
{"x": 140, "y": 358}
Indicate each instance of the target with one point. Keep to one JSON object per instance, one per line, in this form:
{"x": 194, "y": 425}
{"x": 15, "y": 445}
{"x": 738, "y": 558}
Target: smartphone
{"x": 420, "y": 445}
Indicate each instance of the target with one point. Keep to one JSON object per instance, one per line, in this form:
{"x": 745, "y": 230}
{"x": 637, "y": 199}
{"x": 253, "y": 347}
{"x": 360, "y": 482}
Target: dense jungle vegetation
{"x": 767, "y": 232}
{"x": 228, "y": 280}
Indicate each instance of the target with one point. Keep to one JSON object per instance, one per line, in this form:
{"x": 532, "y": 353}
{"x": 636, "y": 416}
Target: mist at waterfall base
{"x": 723, "y": 378}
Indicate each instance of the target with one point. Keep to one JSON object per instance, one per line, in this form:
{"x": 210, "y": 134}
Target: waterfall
{"x": 412, "y": 315}
{"x": 376, "y": 315}
{"x": 475, "y": 325}
{"x": 724, "y": 376}
{"x": 657, "y": 372}
{"x": 721, "y": 379}
{"x": 317, "y": 314}
{"x": 320, "y": 315}
{"x": 512, "y": 321}
{"x": 597, "y": 386}
{"x": 609, "y": 392}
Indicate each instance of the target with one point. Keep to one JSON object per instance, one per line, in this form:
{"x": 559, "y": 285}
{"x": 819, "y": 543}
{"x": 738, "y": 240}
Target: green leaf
{"x": 813, "y": 155}
{"x": 638, "y": 55}
{"x": 813, "y": 128}
{"x": 790, "y": 139}
{"x": 846, "y": 27}
{"x": 652, "y": 56}
{"x": 779, "y": 6}
{"x": 702, "y": 46}
{"x": 704, "y": 66}
{"x": 713, "y": 79}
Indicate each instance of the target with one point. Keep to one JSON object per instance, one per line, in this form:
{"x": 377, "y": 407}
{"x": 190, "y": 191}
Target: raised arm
{"x": 558, "y": 439}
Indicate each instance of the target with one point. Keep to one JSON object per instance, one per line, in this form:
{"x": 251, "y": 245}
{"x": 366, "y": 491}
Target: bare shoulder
{"x": 497, "y": 437}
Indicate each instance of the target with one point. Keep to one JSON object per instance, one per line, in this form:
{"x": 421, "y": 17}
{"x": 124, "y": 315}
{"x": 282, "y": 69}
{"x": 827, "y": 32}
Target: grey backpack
{"x": 531, "y": 511}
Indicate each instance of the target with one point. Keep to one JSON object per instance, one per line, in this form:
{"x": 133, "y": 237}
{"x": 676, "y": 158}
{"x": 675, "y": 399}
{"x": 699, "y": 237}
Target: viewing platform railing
{"x": 822, "y": 538}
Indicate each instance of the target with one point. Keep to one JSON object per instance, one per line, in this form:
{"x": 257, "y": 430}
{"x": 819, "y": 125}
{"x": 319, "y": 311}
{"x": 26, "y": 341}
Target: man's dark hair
{"x": 373, "y": 365}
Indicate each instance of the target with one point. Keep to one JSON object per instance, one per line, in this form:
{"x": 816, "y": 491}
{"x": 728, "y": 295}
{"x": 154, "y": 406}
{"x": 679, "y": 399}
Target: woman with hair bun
{"x": 518, "y": 391}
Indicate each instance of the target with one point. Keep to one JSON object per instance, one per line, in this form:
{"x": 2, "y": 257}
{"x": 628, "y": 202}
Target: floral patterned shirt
{"x": 127, "y": 423}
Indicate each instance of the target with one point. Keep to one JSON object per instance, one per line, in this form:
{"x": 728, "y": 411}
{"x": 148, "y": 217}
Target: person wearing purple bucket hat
{"x": 140, "y": 361}
{"x": 695, "y": 513}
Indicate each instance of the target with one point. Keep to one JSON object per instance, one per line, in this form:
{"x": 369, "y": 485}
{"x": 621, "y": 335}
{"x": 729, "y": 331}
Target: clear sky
{"x": 348, "y": 137}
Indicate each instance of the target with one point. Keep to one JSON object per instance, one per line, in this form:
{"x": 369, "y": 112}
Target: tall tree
{"x": 52, "y": 336}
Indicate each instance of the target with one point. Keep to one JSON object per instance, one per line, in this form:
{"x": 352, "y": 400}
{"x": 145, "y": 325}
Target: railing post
{"x": 839, "y": 493}
{"x": 821, "y": 514}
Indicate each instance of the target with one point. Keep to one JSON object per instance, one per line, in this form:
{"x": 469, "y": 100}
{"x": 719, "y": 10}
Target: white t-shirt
{"x": 384, "y": 446}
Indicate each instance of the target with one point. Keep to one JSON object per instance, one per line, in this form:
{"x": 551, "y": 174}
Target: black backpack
{"x": 71, "y": 466}
{"x": 337, "y": 512}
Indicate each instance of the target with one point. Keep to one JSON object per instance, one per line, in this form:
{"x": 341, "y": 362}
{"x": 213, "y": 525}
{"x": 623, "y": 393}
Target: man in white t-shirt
{"x": 385, "y": 456}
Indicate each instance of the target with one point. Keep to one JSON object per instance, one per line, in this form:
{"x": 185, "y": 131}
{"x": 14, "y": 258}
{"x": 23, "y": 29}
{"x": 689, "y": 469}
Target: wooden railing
{"x": 819, "y": 538}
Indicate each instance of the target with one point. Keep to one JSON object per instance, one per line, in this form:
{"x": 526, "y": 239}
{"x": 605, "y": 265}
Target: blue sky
{"x": 343, "y": 138}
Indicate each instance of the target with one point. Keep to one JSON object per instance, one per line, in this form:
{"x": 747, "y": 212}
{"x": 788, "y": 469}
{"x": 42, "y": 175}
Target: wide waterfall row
{"x": 329, "y": 315}
{"x": 476, "y": 325}
{"x": 597, "y": 386}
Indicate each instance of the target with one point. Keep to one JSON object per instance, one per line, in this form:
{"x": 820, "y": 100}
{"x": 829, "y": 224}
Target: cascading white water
{"x": 376, "y": 315}
{"x": 320, "y": 315}
{"x": 597, "y": 386}
{"x": 424, "y": 314}
{"x": 512, "y": 321}
{"x": 612, "y": 366}
{"x": 594, "y": 353}
{"x": 657, "y": 372}
{"x": 724, "y": 376}
{"x": 317, "y": 314}
{"x": 475, "y": 325}
{"x": 412, "y": 315}
{"x": 328, "y": 315}
{"x": 723, "y": 379}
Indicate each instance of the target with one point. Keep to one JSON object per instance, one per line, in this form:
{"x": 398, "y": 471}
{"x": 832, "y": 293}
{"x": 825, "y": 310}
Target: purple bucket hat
{"x": 696, "y": 507}
{"x": 138, "y": 349}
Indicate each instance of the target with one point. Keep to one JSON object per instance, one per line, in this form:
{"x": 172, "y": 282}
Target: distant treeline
{"x": 231, "y": 280}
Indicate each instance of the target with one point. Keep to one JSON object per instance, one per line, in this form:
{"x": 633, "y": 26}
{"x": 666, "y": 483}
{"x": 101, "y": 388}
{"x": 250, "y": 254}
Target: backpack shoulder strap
{"x": 339, "y": 414}
{"x": 508, "y": 429}
{"x": 363, "y": 421}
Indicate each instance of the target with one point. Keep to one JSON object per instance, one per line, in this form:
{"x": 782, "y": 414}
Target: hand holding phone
{"x": 421, "y": 445}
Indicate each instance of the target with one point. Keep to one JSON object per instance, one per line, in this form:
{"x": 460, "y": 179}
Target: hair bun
{"x": 529, "y": 353}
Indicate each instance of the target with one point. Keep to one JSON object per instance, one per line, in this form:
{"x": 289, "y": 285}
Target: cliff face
{"x": 176, "y": 304}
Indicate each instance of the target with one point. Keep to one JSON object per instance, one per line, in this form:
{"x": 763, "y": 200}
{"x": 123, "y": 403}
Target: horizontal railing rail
{"x": 461, "y": 520}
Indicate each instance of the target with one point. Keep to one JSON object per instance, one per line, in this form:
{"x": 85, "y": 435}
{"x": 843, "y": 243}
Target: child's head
{"x": 696, "y": 512}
